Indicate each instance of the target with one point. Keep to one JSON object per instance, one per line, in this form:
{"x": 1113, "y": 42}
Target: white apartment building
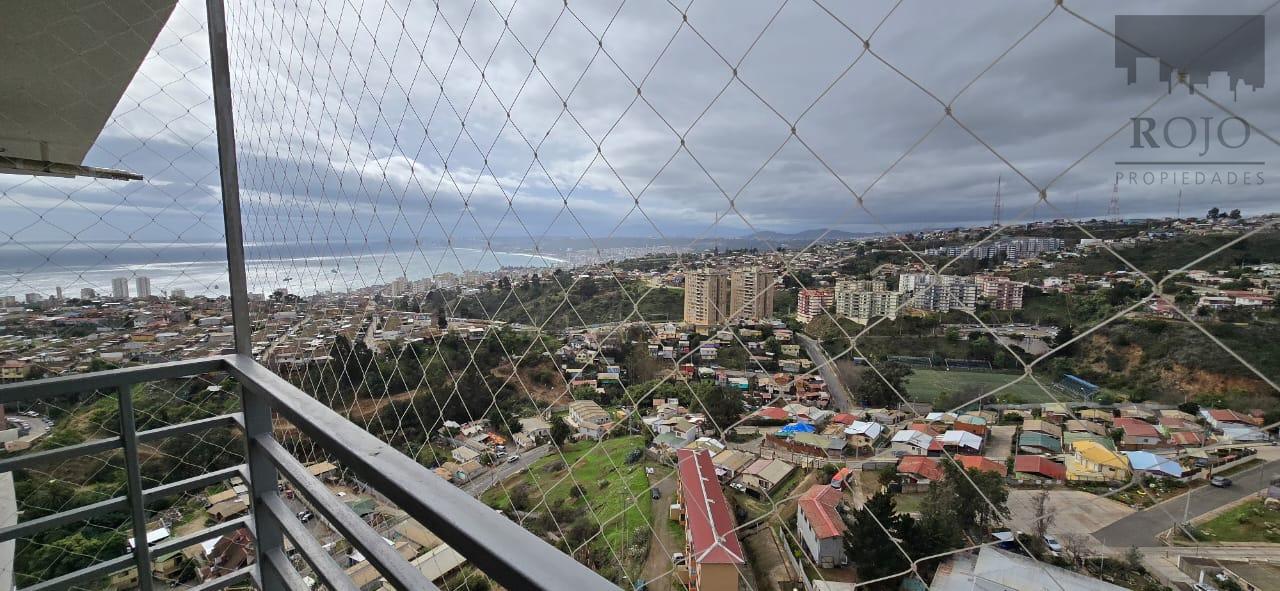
{"x": 144, "y": 286}
{"x": 120, "y": 288}
{"x": 863, "y": 300}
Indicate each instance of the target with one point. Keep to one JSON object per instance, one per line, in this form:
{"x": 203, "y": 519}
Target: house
{"x": 1236, "y": 434}
{"x": 1082, "y": 426}
{"x": 588, "y": 418}
{"x": 1039, "y": 426}
{"x": 730, "y": 462}
{"x": 961, "y": 440}
{"x": 993, "y": 569}
{"x": 1249, "y": 575}
{"x": 829, "y": 445}
{"x": 764, "y": 476}
{"x": 1097, "y": 415}
{"x": 713, "y": 554}
{"x": 1222, "y": 418}
{"x": 820, "y": 527}
{"x": 773, "y": 413}
{"x": 462, "y": 454}
{"x": 1186, "y": 439}
{"x": 1038, "y": 443}
{"x": 920, "y": 469}
{"x": 535, "y": 427}
{"x": 981, "y": 463}
{"x": 1153, "y": 465}
{"x": 228, "y": 509}
{"x": 1038, "y": 467}
{"x": 864, "y": 434}
{"x": 912, "y": 442}
{"x": 1070, "y": 439}
{"x": 14, "y": 369}
{"x": 972, "y": 423}
{"x": 1093, "y": 462}
{"x": 1140, "y": 435}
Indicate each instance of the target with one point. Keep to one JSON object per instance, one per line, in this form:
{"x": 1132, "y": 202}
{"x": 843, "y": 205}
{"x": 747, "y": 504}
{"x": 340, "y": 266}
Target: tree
{"x": 560, "y": 431}
{"x": 884, "y": 388}
{"x": 1235, "y": 214}
{"x": 870, "y": 545}
{"x": 1212, "y": 214}
{"x": 441, "y": 322}
{"x": 974, "y": 500}
{"x": 1043, "y": 516}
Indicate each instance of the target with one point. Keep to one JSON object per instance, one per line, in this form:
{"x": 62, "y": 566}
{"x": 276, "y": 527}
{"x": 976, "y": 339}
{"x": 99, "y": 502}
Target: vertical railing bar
{"x": 257, "y": 412}
{"x": 133, "y": 474}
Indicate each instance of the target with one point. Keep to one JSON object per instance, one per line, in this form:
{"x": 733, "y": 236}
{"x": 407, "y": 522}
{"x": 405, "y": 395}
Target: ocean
{"x": 201, "y": 268}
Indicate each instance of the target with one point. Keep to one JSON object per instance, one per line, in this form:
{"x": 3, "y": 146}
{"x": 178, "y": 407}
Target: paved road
{"x": 1141, "y": 528}
{"x": 839, "y": 395}
{"x": 504, "y": 470}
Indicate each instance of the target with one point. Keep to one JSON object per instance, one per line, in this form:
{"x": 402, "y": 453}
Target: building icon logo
{"x": 1190, "y": 47}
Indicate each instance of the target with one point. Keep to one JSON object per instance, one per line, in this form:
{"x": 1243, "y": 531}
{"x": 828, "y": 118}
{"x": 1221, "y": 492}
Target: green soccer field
{"x": 926, "y": 384}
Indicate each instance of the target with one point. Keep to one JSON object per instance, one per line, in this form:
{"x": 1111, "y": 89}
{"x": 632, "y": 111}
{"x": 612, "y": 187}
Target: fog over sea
{"x": 201, "y": 268}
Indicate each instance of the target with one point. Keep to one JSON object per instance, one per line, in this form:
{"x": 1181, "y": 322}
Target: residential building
{"x": 706, "y": 297}
{"x": 713, "y": 554}
{"x": 120, "y": 288}
{"x": 1038, "y": 467}
{"x": 982, "y": 464}
{"x": 820, "y": 527}
{"x": 177, "y": 293}
{"x": 993, "y": 569}
{"x": 1003, "y": 293}
{"x": 88, "y": 293}
{"x": 811, "y": 302}
{"x": 939, "y": 293}
{"x": 920, "y": 469}
{"x": 763, "y": 476}
{"x": 588, "y": 418}
{"x": 863, "y": 300}
{"x": 751, "y": 294}
{"x": 143, "y": 284}
{"x": 1094, "y": 462}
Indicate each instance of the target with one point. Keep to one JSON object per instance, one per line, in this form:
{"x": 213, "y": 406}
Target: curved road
{"x": 840, "y": 399}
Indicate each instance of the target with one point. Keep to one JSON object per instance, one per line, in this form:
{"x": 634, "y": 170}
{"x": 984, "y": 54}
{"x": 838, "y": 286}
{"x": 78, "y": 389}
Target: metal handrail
{"x": 504, "y": 551}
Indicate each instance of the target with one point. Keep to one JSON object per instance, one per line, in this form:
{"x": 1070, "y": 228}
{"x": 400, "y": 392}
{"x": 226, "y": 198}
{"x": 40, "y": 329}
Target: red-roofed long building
{"x": 713, "y": 554}
{"x": 1039, "y": 466}
{"x": 819, "y": 525}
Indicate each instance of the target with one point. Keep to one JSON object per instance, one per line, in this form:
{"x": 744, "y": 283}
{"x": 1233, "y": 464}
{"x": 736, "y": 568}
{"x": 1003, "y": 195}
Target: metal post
{"x": 257, "y": 412}
{"x": 133, "y": 474}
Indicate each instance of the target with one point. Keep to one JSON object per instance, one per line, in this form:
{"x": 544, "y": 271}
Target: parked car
{"x": 655, "y": 493}
{"x": 304, "y": 516}
{"x": 1220, "y": 481}
{"x": 677, "y": 558}
{"x": 513, "y": 459}
{"x": 1053, "y": 543}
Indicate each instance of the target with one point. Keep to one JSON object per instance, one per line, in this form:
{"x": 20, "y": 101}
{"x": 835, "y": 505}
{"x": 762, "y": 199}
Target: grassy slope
{"x": 622, "y": 505}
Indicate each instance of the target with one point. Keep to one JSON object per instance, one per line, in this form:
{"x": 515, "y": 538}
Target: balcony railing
{"x": 498, "y": 547}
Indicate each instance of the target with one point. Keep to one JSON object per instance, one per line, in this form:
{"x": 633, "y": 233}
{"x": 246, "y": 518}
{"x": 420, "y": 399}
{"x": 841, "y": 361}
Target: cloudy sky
{"x": 648, "y": 119}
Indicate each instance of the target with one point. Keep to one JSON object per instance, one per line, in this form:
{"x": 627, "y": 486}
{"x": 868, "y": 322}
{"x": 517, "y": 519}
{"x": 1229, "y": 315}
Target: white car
{"x": 513, "y": 459}
{"x": 1053, "y": 543}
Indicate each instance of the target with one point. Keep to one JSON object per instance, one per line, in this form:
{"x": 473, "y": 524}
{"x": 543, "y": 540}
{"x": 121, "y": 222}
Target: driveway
{"x": 657, "y": 567}
{"x": 826, "y": 368}
{"x": 1000, "y": 442}
{"x": 1141, "y": 528}
{"x": 504, "y": 470}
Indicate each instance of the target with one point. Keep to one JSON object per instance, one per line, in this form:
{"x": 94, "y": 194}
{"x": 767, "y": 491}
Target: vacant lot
{"x": 1075, "y": 511}
{"x": 926, "y": 384}
{"x": 612, "y": 497}
{"x": 1247, "y": 522}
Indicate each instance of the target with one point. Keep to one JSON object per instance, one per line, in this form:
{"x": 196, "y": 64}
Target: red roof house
{"x": 1039, "y": 466}
{"x": 981, "y": 463}
{"x": 922, "y": 469}
{"x": 714, "y": 550}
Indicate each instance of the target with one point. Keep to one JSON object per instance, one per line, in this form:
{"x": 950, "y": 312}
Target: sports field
{"x": 926, "y": 384}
